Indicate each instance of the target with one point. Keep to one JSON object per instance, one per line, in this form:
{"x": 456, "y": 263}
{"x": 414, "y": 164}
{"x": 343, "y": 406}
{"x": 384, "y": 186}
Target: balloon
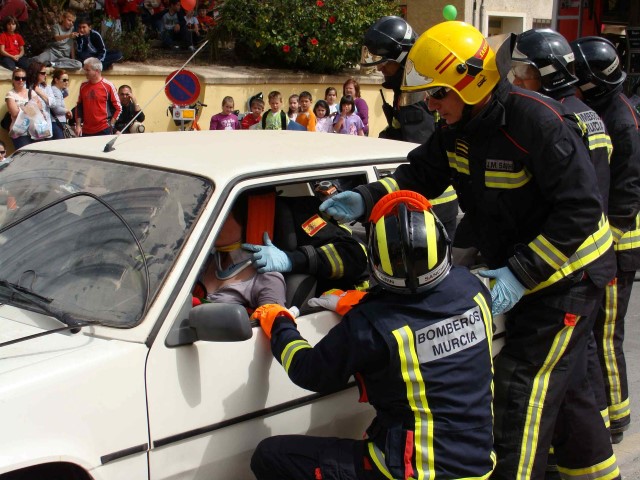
{"x": 449, "y": 12}
{"x": 188, "y": 5}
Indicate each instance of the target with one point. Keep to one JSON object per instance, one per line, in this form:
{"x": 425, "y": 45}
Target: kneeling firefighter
{"x": 429, "y": 422}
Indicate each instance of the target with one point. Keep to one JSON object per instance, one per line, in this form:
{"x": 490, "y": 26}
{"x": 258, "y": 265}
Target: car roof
{"x": 242, "y": 152}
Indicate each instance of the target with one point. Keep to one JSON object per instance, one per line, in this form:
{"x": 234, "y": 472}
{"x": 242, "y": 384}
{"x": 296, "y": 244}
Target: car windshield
{"x": 95, "y": 239}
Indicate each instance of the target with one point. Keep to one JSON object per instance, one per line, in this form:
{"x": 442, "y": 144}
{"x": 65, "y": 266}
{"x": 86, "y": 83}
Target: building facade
{"x": 491, "y": 17}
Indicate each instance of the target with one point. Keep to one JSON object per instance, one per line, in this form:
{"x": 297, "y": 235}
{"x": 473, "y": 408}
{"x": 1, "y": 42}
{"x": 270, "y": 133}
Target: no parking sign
{"x": 184, "y": 89}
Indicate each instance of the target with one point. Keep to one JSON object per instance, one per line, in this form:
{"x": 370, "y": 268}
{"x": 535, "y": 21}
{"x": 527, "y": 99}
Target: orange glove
{"x": 338, "y": 300}
{"x": 267, "y": 314}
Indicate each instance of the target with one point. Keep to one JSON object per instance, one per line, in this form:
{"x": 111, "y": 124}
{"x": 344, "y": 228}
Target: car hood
{"x": 41, "y": 349}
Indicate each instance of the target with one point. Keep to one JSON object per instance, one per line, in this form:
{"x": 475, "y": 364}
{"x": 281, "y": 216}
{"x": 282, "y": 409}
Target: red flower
{"x": 314, "y": 41}
{"x": 332, "y": 19}
{"x": 286, "y": 48}
{"x": 320, "y": 3}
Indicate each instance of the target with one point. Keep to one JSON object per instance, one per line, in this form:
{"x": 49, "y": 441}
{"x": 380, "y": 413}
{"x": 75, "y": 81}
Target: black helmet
{"x": 550, "y": 53}
{"x": 597, "y": 67}
{"x": 409, "y": 251}
{"x": 389, "y": 39}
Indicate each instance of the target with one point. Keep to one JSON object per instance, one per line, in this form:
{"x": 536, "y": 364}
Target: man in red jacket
{"x": 98, "y": 105}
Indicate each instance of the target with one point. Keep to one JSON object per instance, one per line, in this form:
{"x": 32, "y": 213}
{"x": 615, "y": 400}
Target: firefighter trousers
{"x": 542, "y": 393}
{"x": 302, "y": 457}
{"x": 609, "y": 332}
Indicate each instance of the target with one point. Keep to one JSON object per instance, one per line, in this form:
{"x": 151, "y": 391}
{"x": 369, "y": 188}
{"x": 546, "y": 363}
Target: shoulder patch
{"x": 450, "y": 336}
{"x": 313, "y": 225}
{"x": 593, "y": 122}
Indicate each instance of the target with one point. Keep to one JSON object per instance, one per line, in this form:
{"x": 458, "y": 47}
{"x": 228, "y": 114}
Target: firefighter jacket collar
{"x": 492, "y": 116}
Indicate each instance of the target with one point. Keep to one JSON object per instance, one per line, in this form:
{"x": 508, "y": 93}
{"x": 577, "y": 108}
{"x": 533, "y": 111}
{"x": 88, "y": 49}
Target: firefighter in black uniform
{"x": 323, "y": 248}
{"x": 424, "y": 367}
{"x": 525, "y": 180}
{"x": 386, "y": 45}
{"x": 600, "y": 82}
{"x": 542, "y": 61}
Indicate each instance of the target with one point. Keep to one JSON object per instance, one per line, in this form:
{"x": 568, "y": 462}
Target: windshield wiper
{"x": 43, "y": 303}
{"x": 24, "y": 292}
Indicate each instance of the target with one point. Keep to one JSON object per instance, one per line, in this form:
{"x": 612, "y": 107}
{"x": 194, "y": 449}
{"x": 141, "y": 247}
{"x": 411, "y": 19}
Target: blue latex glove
{"x": 344, "y": 207}
{"x": 267, "y": 257}
{"x": 507, "y": 290}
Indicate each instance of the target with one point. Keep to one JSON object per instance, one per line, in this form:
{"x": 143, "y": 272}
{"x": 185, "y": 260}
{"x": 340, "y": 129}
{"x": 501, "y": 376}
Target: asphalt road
{"x": 628, "y": 452}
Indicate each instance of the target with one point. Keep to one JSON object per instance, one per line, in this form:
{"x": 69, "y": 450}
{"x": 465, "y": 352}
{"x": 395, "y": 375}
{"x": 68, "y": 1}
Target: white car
{"x": 106, "y": 370}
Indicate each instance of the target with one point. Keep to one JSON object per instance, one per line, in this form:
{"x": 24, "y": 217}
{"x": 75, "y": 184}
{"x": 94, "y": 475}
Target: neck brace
{"x": 240, "y": 260}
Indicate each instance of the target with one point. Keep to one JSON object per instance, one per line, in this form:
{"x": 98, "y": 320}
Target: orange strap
{"x": 390, "y": 201}
{"x": 261, "y": 212}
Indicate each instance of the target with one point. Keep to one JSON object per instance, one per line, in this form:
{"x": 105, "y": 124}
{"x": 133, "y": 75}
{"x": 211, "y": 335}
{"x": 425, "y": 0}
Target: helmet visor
{"x": 368, "y": 59}
{"x": 523, "y": 71}
{"x": 414, "y": 81}
{"x": 411, "y": 98}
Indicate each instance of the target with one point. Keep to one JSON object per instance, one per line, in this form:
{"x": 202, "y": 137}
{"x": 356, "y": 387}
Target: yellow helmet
{"x": 454, "y": 55}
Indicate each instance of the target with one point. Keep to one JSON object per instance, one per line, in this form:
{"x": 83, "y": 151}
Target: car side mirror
{"x": 211, "y": 322}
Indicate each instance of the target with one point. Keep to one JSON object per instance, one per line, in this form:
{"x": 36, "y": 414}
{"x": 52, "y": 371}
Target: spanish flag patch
{"x": 314, "y": 225}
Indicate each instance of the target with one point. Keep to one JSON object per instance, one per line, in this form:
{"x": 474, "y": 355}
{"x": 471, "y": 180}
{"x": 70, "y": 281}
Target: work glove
{"x": 268, "y": 257}
{"x": 344, "y": 207}
{"x": 267, "y": 314}
{"x": 506, "y": 291}
{"x": 338, "y": 301}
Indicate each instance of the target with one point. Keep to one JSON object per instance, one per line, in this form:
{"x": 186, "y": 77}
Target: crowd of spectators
{"x": 36, "y": 110}
{"x": 350, "y": 116}
{"x": 174, "y": 24}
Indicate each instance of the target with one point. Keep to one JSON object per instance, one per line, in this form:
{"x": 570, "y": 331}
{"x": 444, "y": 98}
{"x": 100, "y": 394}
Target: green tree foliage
{"x": 322, "y": 36}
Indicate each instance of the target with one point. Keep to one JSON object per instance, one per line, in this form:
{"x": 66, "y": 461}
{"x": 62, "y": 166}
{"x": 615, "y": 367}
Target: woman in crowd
{"x": 37, "y": 83}
{"x": 352, "y": 87}
{"x": 15, "y": 98}
{"x": 60, "y": 90}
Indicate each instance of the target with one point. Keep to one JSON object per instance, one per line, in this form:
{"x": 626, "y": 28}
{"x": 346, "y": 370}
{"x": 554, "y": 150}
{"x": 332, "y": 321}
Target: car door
{"x": 210, "y": 403}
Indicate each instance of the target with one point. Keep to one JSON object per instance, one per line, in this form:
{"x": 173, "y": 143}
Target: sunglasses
{"x": 66, "y": 80}
{"x": 437, "y": 93}
{"x": 42, "y": 73}
{"x": 19, "y": 79}
{"x": 3, "y": 152}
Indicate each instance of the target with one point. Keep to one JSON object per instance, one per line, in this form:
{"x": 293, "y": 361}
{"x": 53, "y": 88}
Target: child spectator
{"x": 91, "y": 45}
{"x": 256, "y": 106}
{"x": 275, "y": 118}
{"x": 151, "y": 15}
{"x": 206, "y": 21}
{"x": 225, "y": 120}
{"x": 174, "y": 28}
{"x": 193, "y": 25}
{"x": 352, "y": 87}
{"x": 331, "y": 97}
{"x": 11, "y": 45}
{"x": 294, "y": 106}
{"x": 347, "y": 122}
{"x": 61, "y": 52}
{"x": 324, "y": 122}
{"x": 129, "y": 13}
{"x": 306, "y": 117}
